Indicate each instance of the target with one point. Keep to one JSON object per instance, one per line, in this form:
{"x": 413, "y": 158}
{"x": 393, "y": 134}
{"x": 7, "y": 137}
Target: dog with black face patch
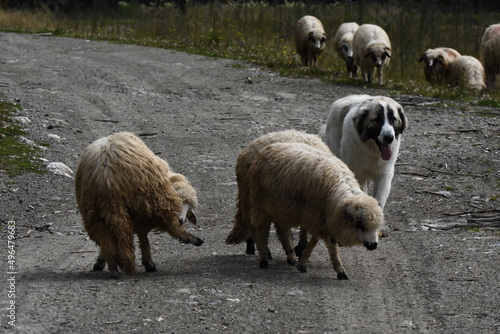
{"x": 365, "y": 132}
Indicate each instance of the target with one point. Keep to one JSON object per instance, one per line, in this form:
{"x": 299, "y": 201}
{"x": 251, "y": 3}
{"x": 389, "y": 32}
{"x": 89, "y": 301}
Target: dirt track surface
{"x": 198, "y": 113}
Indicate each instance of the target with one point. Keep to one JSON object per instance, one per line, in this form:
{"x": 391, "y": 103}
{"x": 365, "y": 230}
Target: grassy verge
{"x": 16, "y": 157}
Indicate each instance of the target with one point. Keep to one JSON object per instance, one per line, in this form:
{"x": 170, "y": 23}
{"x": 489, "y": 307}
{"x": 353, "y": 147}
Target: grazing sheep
{"x": 123, "y": 189}
{"x": 242, "y": 229}
{"x": 466, "y": 71}
{"x": 436, "y": 62}
{"x": 343, "y": 44}
{"x": 372, "y": 49}
{"x": 310, "y": 40}
{"x": 295, "y": 184}
{"x": 490, "y": 51}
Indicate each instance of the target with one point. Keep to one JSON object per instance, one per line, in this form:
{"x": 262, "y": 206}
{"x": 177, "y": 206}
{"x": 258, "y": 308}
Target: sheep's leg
{"x": 301, "y": 266}
{"x": 146, "y": 258}
{"x": 285, "y": 236}
{"x": 302, "y": 242}
{"x": 380, "y": 74}
{"x": 262, "y": 226}
{"x": 109, "y": 254}
{"x": 100, "y": 263}
{"x": 251, "y": 247}
{"x": 333, "y": 251}
{"x": 179, "y": 232}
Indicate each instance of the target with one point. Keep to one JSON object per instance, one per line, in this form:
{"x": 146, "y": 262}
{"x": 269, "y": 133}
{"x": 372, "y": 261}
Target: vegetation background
{"x": 262, "y": 32}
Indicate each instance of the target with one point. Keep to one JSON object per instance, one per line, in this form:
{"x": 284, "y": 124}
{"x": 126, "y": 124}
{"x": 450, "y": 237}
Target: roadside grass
{"x": 16, "y": 156}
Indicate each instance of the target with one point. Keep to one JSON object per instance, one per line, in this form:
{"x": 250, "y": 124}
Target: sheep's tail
{"x": 122, "y": 233}
{"x": 242, "y": 229}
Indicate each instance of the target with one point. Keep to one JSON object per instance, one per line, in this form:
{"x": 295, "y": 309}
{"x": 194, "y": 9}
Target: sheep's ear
{"x": 440, "y": 59}
{"x": 368, "y": 53}
{"x": 388, "y": 52}
{"x": 422, "y": 57}
{"x": 191, "y": 217}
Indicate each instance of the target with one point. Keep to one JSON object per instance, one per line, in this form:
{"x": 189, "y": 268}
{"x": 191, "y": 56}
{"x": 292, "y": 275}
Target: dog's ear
{"x": 404, "y": 120}
{"x": 359, "y": 121}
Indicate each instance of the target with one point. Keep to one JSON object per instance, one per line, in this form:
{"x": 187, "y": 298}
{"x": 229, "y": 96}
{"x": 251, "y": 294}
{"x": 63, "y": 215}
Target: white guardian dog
{"x": 365, "y": 132}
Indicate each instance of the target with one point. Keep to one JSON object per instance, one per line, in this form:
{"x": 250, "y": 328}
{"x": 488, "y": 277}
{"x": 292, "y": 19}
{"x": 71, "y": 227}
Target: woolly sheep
{"x": 310, "y": 40}
{"x": 295, "y": 184}
{"x": 466, "y": 71}
{"x": 436, "y": 62}
{"x": 490, "y": 51}
{"x": 343, "y": 44}
{"x": 242, "y": 229}
{"x": 371, "y": 49}
{"x": 123, "y": 189}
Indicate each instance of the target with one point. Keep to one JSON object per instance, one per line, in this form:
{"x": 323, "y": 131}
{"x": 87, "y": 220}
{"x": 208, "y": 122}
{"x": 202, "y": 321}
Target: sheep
{"x": 310, "y": 40}
{"x": 343, "y": 44}
{"x": 436, "y": 62}
{"x": 295, "y": 184}
{"x": 490, "y": 51}
{"x": 123, "y": 189}
{"x": 466, "y": 71}
{"x": 371, "y": 49}
{"x": 242, "y": 229}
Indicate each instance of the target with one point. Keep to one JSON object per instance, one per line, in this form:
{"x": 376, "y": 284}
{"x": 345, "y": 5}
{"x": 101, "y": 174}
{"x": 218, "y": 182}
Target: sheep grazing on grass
{"x": 436, "y": 62}
{"x": 490, "y": 52}
{"x": 343, "y": 44}
{"x": 310, "y": 40}
{"x": 466, "y": 71}
{"x": 371, "y": 49}
{"x": 123, "y": 189}
{"x": 242, "y": 229}
{"x": 295, "y": 184}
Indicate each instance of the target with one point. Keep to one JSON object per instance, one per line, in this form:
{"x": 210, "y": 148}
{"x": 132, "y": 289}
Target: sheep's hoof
{"x": 299, "y": 249}
{"x": 114, "y": 273}
{"x": 197, "y": 241}
{"x": 301, "y": 268}
{"x": 263, "y": 265}
{"x": 99, "y": 265}
{"x": 291, "y": 262}
{"x": 342, "y": 275}
{"x": 150, "y": 267}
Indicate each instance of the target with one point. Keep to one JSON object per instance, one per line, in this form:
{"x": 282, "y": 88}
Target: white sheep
{"x": 436, "y": 62}
{"x": 310, "y": 40}
{"x": 342, "y": 42}
{"x": 123, "y": 189}
{"x": 466, "y": 71}
{"x": 371, "y": 49}
{"x": 295, "y": 184}
{"x": 242, "y": 228}
{"x": 490, "y": 51}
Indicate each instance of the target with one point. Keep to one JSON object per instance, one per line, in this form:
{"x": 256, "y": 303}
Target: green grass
{"x": 16, "y": 157}
{"x": 263, "y": 35}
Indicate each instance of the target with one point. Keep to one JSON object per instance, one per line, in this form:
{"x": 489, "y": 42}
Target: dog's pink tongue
{"x": 386, "y": 151}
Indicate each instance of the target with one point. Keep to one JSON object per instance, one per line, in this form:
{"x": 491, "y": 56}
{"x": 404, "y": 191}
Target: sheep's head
{"x": 346, "y": 50}
{"x": 316, "y": 40}
{"x": 188, "y": 195}
{"x": 380, "y": 56}
{"x": 362, "y": 220}
{"x": 432, "y": 60}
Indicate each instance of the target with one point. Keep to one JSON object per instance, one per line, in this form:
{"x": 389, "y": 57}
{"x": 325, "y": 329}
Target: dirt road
{"x": 198, "y": 113}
